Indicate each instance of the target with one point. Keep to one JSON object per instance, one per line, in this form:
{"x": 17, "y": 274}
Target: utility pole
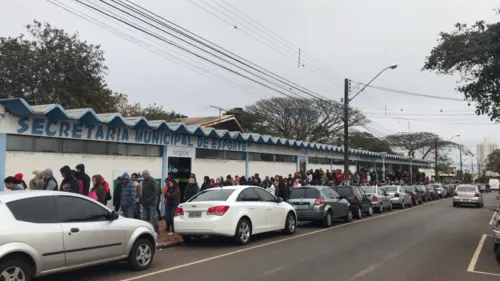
{"x": 220, "y": 110}
{"x": 346, "y": 131}
{"x": 461, "y": 169}
{"x": 436, "y": 170}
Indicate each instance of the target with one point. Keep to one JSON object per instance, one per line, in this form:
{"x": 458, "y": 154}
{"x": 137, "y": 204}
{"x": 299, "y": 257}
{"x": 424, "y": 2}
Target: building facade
{"x": 48, "y": 136}
{"x": 483, "y": 150}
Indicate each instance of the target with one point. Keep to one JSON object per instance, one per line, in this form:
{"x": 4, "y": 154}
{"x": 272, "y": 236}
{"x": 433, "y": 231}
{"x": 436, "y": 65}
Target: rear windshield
{"x": 344, "y": 191}
{"x": 215, "y": 194}
{"x": 429, "y": 187}
{"x": 436, "y": 186}
{"x": 308, "y": 193}
{"x": 391, "y": 188}
{"x": 369, "y": 189}
{"x": 466, "y": 188}
{"x": 421, "y": 187}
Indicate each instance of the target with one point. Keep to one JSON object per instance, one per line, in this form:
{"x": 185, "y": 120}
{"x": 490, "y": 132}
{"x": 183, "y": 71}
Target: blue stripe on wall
{"x": 3, "y": 152}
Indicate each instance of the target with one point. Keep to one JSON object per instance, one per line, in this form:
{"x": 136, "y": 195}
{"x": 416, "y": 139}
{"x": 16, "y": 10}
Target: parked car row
{"x": 496, "y": 230}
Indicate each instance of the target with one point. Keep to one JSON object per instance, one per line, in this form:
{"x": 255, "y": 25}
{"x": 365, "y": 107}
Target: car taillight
{"x": 354, "y": 201}
{"x": 421, "y": 191}
{"x": 374, "y": 198}
{"x": 396, "y": 195}
{"x": 319, "y": 202}
{"x": 179, "y": 212}
{"x": 412, "y": 194}
{"x": 498, "y": 223}
{"x": 455, "y": 193}
{"x": 217, "y": 210}
{"x": 476, "y": 194}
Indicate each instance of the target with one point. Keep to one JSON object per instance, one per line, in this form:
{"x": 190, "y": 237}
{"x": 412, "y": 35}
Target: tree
{"x": 151, "y": 112}
{"x": 367, "y": 141}
{"x": 424, "y": 142}
{"x": 311, "y": 120}
{"x": 474, "y": 54}
{"x": 52, "y": 66}
{"x": 467, "y": 178}
{"x": 493, "y": 161}
{"x": 444, "y": 163}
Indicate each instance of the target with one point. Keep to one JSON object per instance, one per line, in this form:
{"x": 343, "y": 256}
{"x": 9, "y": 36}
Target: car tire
{"x": 328, "y": 219}
{"x": 390, "y": 206}
{"x": 496, "y": 246}
{"x": 290, "y": 224}
{"x": 370, "y": 211}
{"x": 349, "y": 216}
{"x": 243, "y": 232}
{"x": 141, "y": 255}
{"x": 358, "y": 214}
{"x": 411, "y": 204}
{"x": 380, "y": 208}
{"x": 497, "y": 255}
{"x": 10, "y": 265}
{"x": 403, "y": 206}
{"x": 455, "y": 205}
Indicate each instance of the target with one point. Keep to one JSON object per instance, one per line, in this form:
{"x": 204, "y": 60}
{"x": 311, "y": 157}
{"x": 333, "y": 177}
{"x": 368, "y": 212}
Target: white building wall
{"x": 217, "y": 168}
{"x": 105, "y": 165}
{"x": 271, "y": 168}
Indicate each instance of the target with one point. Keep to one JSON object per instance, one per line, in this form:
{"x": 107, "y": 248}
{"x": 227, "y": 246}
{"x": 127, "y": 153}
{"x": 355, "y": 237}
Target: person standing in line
{"x": 205, "y": 184}
{"x": 69, "y": 182}
{"x": 37, "y": 182}
{"x": 49, "y": 182}
{"x": 149, "y": 199}
{"x": 138, "y": 188}
{"x": 97, "y": 192}
{"x": 80, "y": 168}
{"x": 191, "y": 189}
{"x": 19, "y": 177}
{"x": 116, "y": 193}
{"x": 13, "y": 184}
{"x": 127, "y": 198}
{"x": 172, "y": 196}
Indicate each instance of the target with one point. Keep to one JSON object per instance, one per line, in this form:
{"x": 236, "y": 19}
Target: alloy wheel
{"x": 244, "y": 231}
{"x": 13, "y": 273}
{"x": 143, "y": 255}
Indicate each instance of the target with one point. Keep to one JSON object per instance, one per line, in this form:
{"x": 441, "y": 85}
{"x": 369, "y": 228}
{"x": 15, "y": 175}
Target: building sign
{"x": 75, "y": 130}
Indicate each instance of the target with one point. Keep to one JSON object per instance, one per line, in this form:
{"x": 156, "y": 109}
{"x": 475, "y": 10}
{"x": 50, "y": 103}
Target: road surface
{"x": 430, "y": 242}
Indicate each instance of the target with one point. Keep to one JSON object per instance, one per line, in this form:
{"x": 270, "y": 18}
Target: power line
{"x": 433, "y": 121}
{"x": 412, "y": 93}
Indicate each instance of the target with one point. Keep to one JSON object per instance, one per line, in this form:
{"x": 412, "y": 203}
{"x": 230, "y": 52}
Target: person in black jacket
{"x": 117, "y": 194}
{"x": 192, "y": 189}
{"x": 80, "y": 168}
{"x": 69, "y": 182}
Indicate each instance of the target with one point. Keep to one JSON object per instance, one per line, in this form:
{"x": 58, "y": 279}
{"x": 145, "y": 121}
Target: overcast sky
{"x": 355, "y": 38}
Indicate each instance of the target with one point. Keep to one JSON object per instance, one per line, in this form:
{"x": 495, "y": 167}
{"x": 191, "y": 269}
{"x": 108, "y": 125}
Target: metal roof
{"x": 55, "y": 112}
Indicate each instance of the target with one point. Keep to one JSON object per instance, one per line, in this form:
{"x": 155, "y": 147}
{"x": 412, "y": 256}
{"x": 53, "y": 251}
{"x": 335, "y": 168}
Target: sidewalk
{"x": 166, "y": 241}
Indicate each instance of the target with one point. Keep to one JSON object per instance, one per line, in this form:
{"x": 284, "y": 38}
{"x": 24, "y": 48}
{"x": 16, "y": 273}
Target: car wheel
{"x": 243, "y": 232}
{"x": 411, "y": 204}
{"x": 390, "y": 206}
{"x": 454, "y": 204}
{"x": 291, "y": 223}
{"x": 358, "y": 214}
{"x": 141, "y": 255}
{"x": 370, "y": 211}
{"x": 479, "y": 205}
{"x": 327, "y": 220}
{"x": 421, "y": 201}
{"x": 15, "y": 269}
{"x": 496, "y": 246}
{"x": 403, "y": 205}
{"x": 348, "y": 217}
{"x": 380, "y": 209}
{"x": 497, "y": 255}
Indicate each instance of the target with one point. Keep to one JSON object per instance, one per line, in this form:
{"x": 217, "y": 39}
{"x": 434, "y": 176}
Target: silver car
{"x": 399, "y": 196}
{"x": 496, "y": 230}
{"x": 45, "y": 232}
{"x": 467, "y": 194}
{"x": 379, "y": 198}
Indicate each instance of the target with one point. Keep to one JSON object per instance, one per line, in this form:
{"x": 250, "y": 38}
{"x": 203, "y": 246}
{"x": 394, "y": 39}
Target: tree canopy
{"x": 423, "y": 142}
{"x": 493, "y": 161}
{"x": 151, "y": 112}
{"x": 367, "y": 141}
{"x": 311, "y": 120}
{"x": 444, "y": 163}
{"x": 472, "y": 52}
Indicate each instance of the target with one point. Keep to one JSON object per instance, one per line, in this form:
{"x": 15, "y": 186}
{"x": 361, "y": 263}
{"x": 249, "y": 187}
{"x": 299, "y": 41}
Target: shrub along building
{"x": 49, "y": 136}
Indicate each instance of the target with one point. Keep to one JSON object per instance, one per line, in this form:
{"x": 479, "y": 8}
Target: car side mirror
{"x": 493, "y": 208}
{"x": 113, "y": 215}
{"x": 279, "y": 200}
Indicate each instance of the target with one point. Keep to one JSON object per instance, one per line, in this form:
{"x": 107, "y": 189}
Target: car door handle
{"x": 74, "y": 230}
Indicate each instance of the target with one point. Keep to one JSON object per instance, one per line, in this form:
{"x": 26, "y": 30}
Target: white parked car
{"x": 233, "y": 211}
{"x": 46, "y": 232}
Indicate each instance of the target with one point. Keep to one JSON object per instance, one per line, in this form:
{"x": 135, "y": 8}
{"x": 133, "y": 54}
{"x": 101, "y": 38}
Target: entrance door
{"x": 302, "y": 165}
{"x": 180, "y": 168}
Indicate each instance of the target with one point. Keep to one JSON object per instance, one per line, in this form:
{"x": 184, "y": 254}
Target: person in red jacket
{"x": 106, "y": 188}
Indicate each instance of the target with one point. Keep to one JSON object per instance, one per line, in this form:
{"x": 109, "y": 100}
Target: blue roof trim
{"x": 20, "y": 108}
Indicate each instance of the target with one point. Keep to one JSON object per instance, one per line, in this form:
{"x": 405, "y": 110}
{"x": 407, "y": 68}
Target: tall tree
{"x": 51, "y": 66}
{"x": 151, "y": 112}
{"x": 493, "y": 161}
{"x": 424, "y": 142}
{"x": 366, "y": 141}
{"x": 444, "y": 163}
{"x": 472, "y": 53}
{"x": 311, "y": 120}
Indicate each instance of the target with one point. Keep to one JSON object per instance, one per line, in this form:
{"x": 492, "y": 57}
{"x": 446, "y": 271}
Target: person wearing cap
{"x": 150, "y": 199}
{"x": 19, "y": 177}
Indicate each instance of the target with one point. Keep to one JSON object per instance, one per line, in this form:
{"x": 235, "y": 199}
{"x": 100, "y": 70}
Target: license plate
{"x": 301, "y": 207}
{"x": 194, "y": 214}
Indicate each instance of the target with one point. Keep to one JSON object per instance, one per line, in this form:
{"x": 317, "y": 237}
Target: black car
{"x": 416, "y": 196}
{"x": 360, "y": 202}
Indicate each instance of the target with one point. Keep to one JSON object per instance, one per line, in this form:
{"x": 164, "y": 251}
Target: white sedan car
{"x": 233, "y": 211}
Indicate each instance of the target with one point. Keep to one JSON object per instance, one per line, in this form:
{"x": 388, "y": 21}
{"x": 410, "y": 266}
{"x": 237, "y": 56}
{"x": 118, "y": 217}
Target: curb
{"x": 169, "y": 245}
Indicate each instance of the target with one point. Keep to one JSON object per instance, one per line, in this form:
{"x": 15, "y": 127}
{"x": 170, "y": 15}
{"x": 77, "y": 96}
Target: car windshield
{"x": 214, "y": 194}
{"x": 307, "y": 193}
{"x": 369, "y": 189}
{"x": 466, "y": 188}
{"x": 421, "y": 187}
{"x": 344, "y": 191}
{"x": 391, "y": 188}
{"x": 436, "y": 186}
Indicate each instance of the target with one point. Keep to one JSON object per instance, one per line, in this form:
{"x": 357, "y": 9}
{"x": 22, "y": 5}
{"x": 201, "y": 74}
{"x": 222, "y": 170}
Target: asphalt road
{"x": 430, "y": 242}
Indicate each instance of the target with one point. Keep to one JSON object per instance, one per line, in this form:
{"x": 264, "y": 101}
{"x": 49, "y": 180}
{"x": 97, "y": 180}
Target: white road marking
{"x": 475, "y": 257}
{"x": 486, "y": 273}
{"x": 493, "y": 218}
{"x": 270, "y": 243}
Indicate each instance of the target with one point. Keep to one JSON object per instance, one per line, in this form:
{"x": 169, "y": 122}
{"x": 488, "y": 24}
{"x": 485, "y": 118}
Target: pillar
{"x": 331, "y": 164}
{"x": 164, "y": 175}
{"x": 246, "y": 163}
{"x": 3, "y": 152}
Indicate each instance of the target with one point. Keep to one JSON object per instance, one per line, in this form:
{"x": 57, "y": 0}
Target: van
{"x": 494, "y": 183}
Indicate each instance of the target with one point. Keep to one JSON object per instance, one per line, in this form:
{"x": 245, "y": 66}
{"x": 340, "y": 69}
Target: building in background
{"x": 483, "y": 150}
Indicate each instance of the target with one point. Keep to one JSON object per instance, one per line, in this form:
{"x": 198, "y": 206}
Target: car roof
{"x": 233, "y": 187}
{"x": 9, "y": 196}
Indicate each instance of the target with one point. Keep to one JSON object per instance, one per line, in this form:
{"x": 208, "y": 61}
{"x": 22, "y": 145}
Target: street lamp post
{"x": 383, "y": 155}
{"x": 346, "y": 117}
